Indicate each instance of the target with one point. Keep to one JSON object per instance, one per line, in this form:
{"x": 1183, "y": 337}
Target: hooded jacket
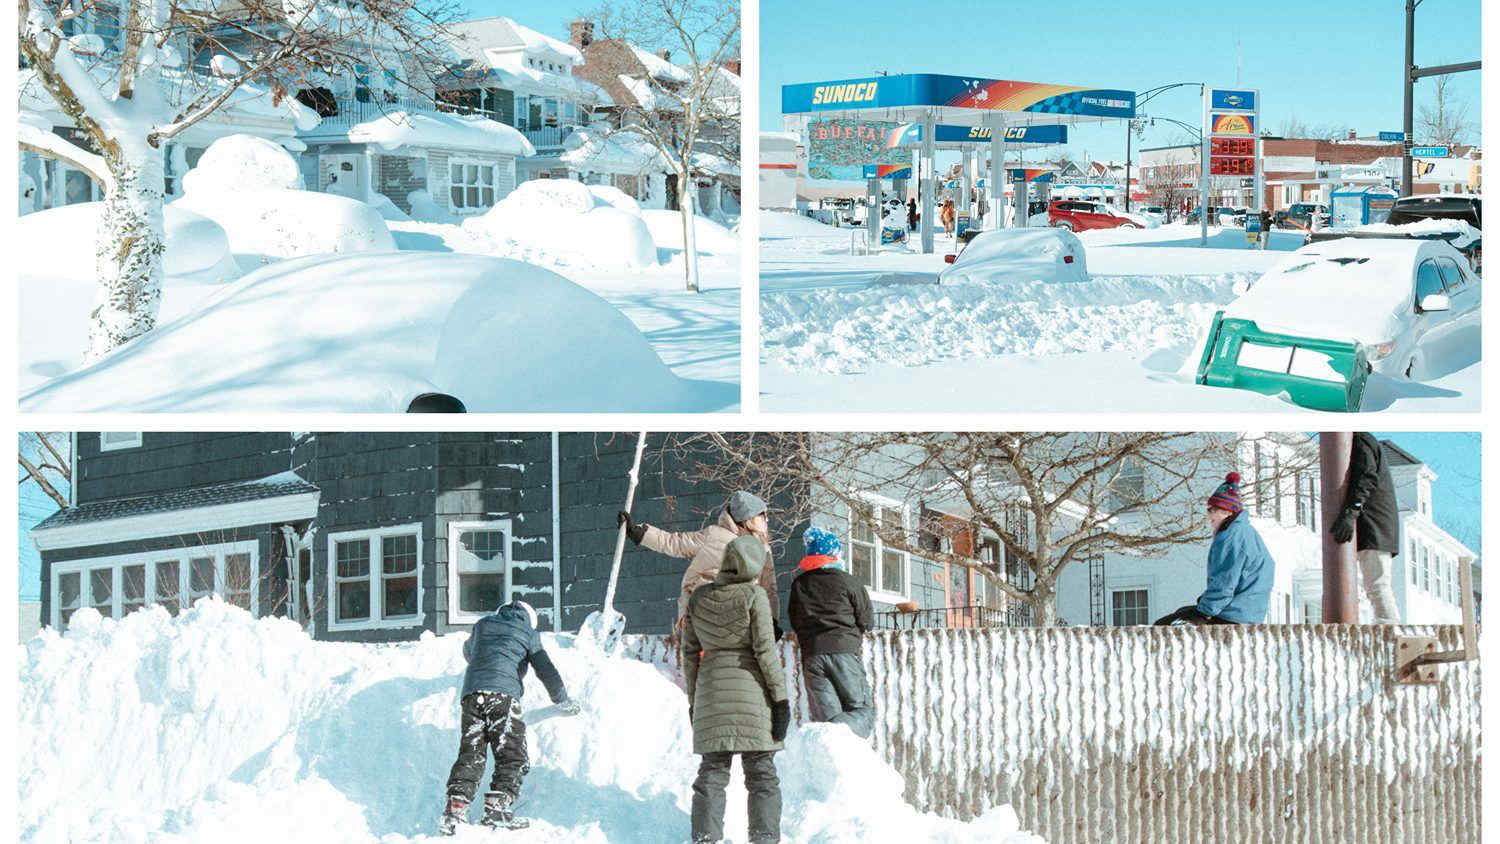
{"x": 500, "y": 648}
{"x": 706, "y": 548}
{"x": 1240, "y": 575}
{"x": 1371, "y": 485}
{"x": 729, "y": 656}
{"x": 829, "y": 610}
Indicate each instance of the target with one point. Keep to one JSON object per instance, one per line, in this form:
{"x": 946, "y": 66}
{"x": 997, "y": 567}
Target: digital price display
{"x": 1219, "y": 165}
{"x": 1238, "y": 147}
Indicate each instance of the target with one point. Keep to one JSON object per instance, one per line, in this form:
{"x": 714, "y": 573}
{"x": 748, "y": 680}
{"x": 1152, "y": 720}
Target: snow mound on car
{"x": 369, "y": 332}
{"x": 1019, "y": 255}
{"x": 61, "y": 242}
{"x": 214, "y": 725}
{"x": 273, "y": 224}
{"x": 243, "y": 162}
{"x": 562, "y": 223}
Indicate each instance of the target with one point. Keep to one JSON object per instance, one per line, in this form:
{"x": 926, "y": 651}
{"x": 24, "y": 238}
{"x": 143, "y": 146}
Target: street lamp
{"x": 1135, "y": 125}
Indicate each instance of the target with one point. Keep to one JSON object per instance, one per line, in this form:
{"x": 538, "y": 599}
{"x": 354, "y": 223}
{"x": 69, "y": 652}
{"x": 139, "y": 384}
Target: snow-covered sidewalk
{"x": 217, "y": 726}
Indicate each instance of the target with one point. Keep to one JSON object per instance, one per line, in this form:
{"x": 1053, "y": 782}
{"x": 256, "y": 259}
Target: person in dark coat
{"x": 499, "y": 650}
{"x": 830, "y": 612}
{"x": 911, "y": 214}
{"x": 737, "y": 695}
{"x": 1370, "y": 517}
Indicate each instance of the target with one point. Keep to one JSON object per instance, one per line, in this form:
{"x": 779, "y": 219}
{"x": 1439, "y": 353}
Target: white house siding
{"x": 396, "y": 176}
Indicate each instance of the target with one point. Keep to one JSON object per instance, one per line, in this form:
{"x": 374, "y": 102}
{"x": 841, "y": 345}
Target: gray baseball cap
{"x": 744, "y": 506}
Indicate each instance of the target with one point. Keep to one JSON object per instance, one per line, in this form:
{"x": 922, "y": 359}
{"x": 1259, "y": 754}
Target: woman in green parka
{"x": 737, "y": 696}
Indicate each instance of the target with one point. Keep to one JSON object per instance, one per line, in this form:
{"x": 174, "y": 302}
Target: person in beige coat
{"x": 743, "y": 515}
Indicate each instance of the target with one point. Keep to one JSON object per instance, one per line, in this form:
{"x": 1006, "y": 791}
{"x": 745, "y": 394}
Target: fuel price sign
{"x": 1231, "y": 156}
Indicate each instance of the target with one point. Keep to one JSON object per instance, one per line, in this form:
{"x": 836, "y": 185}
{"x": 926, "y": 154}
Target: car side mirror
{"x": 1433, "y": 302}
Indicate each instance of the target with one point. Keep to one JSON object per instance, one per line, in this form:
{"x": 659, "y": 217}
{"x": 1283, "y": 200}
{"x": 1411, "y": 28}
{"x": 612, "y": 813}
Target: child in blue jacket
{"x": 1240, "y": 569}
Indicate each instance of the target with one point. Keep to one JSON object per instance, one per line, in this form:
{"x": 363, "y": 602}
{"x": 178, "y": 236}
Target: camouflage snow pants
{"x": 491, "y": 721}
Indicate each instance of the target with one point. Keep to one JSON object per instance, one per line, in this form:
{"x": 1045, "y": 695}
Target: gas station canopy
{"x": 960, "y": 100}
{"x": 948, "y": 137}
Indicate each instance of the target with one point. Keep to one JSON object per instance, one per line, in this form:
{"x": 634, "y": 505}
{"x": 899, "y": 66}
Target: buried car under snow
{"x": 1318, "y": 324}
{"x": 1041, "y": 254}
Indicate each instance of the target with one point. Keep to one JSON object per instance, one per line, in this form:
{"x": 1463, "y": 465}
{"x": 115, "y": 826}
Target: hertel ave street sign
{"x": 1429, "y": 152}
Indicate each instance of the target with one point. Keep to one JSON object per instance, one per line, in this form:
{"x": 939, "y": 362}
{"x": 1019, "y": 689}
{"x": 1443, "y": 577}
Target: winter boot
{"x": 456, "y": 813}
{"x": 497, "y": 811}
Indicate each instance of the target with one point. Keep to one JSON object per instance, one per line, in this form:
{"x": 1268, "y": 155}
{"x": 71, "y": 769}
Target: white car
{"x": 1413, "y": 304}
{"x": 1140, "y": 219}
{"x": 1052, "y": 255}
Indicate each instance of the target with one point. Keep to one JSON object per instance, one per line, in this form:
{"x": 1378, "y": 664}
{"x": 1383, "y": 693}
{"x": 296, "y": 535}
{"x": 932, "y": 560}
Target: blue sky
{"x": 1336, "y": 61}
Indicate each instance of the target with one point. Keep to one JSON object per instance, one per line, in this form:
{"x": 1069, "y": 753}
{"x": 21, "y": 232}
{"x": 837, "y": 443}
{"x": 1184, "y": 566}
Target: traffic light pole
{"x": 1410, "y": 73}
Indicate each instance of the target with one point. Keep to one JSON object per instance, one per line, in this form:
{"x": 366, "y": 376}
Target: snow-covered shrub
{"x": 561, "y": 222}
{"x": 425, "y": 210}
{"x": 242, "y": 162}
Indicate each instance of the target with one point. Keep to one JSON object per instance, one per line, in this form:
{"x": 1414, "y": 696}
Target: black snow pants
{"x": 760, "y": 781}
{"x": 837, "y": 691}
{"x": 490, "y": 720}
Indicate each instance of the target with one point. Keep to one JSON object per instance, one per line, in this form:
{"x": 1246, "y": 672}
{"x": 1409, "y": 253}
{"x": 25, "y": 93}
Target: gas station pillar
{"x": 872, "y": 215}
{"x": 997, "y": 171}
{"x": 926, "y": 184}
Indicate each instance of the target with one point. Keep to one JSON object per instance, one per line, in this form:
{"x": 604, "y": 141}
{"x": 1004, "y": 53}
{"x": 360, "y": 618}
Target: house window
{"x": 478, "y": 567}
{"x": 374, "y": 578}
{"x": 471, "y": 185}
{"x": 119, "y": 585}
{"x": 1411, "y": 561}
{"x": 523, "y": 111}
{"x": 881, "y": 569}
{"x": 1262, "y": 481}
{"x": 1426, "y": 570}
{"x": 361, "y": 83}
{"x": 1129, "y": 484}
{"x": 115, "y": 440}
{"x": 1312, "y": 612}
{"x": 1129, "y": 607}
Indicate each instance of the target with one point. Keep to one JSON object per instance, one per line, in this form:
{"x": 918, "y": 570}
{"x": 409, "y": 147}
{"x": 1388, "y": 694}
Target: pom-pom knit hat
{"x": 1227, "y": 496}
{"x": 820, "y": 542}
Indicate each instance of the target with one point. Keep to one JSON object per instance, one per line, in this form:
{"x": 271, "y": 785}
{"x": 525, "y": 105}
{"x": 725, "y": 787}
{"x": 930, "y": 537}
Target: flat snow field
{"x": 842, "y": 332}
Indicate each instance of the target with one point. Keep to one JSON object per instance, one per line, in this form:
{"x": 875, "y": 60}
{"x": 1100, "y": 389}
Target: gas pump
{"x": 1021, "y": 202}
{"x": 872, "y": 216}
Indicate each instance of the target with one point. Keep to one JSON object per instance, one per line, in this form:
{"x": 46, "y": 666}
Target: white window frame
{"x": 877, "y": 593}
{"x": 134, "y": 442}
{"x": 494, "y": 184}
{"x": 149, "y": 559}
{"x": 374, "y": 576}
{"x": 455, "y": 615}
{"x": 1133, "y": 586}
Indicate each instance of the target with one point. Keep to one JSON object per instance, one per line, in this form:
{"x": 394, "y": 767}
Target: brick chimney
{"x": 1353, "y": 135}
{"x": 664, "y": 55}
{"x": 581, "y": 33}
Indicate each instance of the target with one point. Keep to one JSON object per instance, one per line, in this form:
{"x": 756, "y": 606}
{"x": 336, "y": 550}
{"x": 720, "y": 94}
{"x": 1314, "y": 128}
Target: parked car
{"x": 1076, "y": 215}
{"x": 1300, "y": 215}
{"x": 1454, "y": 218}
{"x": 1156, "y": 212}
{"x": 1233, "y": 216}
{"x": 1030, "y": 254}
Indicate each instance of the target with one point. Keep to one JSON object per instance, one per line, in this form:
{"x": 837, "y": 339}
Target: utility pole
{"x": 1129, "y": 124}
{"x": 1340, "y": 598}
{"x": 1410, "y": 73}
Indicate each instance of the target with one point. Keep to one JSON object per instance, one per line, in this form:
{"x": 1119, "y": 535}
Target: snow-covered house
{"x": 1121, "y": 590}
{"x": 364, "y": 536}
{"x": 97, "y": 33}
{"x": 514, "y": 75}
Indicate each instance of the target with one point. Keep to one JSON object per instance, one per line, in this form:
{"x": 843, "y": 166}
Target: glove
{"x": 569, "y": 707}
{"x": 1186, "y": 615}
{"x": 1342, "y": 528}
{"x": 781, "y": 717}
{"x": 633, "y": 529}
{"x": 776, "y": 629}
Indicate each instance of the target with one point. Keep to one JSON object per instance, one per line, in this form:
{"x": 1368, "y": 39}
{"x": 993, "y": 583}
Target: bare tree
{"x": 1444, "y": 120}
{"x": 1172, "y": 181}
{"x": 43, "y": 460}
{"x": 693, "y": 118}
{"x": 1048, "y": 499}
{"x": 131, "y": 97}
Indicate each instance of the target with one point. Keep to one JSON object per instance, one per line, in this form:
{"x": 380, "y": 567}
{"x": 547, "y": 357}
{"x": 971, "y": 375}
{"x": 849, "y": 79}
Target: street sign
{"x": 1398, "y": 137}
{"x": 1429, "y": 152}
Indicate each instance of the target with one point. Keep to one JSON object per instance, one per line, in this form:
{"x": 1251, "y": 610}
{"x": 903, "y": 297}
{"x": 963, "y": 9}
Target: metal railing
{"x": 974, "y": 616}
{"x": 547, "y": 136}
{"x": 351, "y": 110}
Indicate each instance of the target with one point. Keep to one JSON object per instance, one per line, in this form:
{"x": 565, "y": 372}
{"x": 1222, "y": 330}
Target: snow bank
{"x": 369, "y": 332}
{"x": 711, "y": 238}
{"x": 242, "y": 162}
{"x": 1011, "y": 255}
{"x": 214, "y": 725}
{"x": 835, "y": 330}
{"x": 268, "y": 225}
{"x": 59, "y": 243}
{"x": 778, "y": 225}
{"x": 559, "y": 222}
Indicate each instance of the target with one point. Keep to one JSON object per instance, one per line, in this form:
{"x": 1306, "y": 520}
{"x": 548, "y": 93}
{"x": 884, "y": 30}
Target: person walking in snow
{"x": 830, "y": 613}
{"x": 498, "y": 651}
{"x": 744, "y": 514}
{"x": 1240, "y": 569}
{"x": 947, "y": 217}
{"x": 911, "y": 213}
{"x": 737, "y": 694}
{"x": 1370, "y": 518}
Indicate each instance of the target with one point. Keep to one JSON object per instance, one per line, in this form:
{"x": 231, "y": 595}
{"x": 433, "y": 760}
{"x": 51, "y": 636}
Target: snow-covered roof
{"x": 399, "y": 129}
{"x": 646, "y": 96}
{"x": 619, "y": 152}
{"x": 659, "y": 68}
{"x": 715, "y": 165}
{"x": 531, "y": 80}
{"x": 477, "y": 37}
{"x": 502, "y": 47}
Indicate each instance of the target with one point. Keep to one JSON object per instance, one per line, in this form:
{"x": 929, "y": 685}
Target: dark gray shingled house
{"x": 381, "y": 536}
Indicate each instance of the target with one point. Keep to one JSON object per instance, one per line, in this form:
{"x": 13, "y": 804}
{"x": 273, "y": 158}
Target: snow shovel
{"x": 605, "y": 627}
{"x": 1316, "y": 373}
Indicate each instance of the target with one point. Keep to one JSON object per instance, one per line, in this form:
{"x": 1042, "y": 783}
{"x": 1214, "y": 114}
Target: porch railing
{"x": 352, "y": 110}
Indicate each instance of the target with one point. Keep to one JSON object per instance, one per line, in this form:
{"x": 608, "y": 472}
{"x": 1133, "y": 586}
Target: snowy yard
{"x": 876, "y": 332}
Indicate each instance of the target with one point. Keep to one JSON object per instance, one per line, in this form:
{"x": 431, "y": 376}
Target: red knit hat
{"x": 1227, "y": 496}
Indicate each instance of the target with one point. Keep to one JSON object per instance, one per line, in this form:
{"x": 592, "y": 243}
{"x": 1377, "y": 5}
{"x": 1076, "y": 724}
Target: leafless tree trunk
{"x": 1444, "y": 120}
{"x": 1049, "y": 499}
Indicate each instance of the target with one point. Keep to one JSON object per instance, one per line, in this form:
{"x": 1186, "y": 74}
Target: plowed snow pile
{"x": 215, "y": 726}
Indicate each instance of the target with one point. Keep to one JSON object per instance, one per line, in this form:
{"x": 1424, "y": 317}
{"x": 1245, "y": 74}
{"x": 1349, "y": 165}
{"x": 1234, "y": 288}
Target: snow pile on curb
{"x": 243, "y": 162}
{"x": 844, "y": 331}
{"x": 560, "y": 222}
{"x": 711, "y": 237}
{"x": 216, "y": 726}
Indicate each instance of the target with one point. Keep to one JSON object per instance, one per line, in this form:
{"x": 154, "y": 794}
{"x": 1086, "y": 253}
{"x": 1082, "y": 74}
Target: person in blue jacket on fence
{"x": 1240, "y": 569}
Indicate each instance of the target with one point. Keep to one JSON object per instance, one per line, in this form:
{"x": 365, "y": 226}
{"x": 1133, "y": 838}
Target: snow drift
{"x": 217, "y": 726}
{"x": 369, "y": 332}
{"x": 61, "y": 242}
{"x": 561, "y": 222}
{"x": 269, "y": 225}
{"x": 243, "y": 162}
{"x": 710, "y": 237}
